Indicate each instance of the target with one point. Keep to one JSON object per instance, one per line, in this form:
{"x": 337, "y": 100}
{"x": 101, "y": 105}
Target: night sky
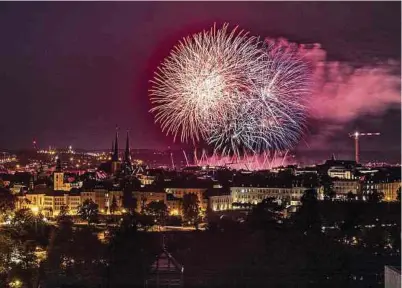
{"x": 69, "y": 72}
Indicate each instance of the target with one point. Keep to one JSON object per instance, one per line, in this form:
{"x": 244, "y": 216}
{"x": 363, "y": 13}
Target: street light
{"x": 16, "y": 283}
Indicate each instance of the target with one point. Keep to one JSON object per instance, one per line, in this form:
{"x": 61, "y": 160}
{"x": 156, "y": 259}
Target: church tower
{"x": 127, "y": 166}
{"x": 58, "y": 177}
{"x": 115, "y": 156}
{"x": 127, "y": 155}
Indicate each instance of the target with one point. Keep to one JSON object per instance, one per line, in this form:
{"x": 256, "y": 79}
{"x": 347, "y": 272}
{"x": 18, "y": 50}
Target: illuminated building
{"x": 118, "y": 196}
{"x": 342, "y": 187}
{"x": 146, "y": 179}
{"x": 389, "y": 189}
{"x": 147, "y": 195}
{"x": 58, "y": 179}
{"x": 98, "y": 196}
{"x": 180, "y": 192}
{"x": 255, "y": 195}
{"x": 174, "y": 205}
{"x": 340, "y": 173}
{"x": 48, "y": 202}
{"x": 17, "y": 188}
{"x": 104, "y": 199}
{"x": 386, "y": 181}
{"x": 220, "y": 202}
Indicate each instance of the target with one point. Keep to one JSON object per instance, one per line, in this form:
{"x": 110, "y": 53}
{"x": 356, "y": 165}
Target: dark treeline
{"x": 324, "y": 244}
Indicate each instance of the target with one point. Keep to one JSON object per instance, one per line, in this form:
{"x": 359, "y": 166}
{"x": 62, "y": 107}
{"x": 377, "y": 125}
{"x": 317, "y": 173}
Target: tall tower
{"x": 127, "y": 168}
{"x": 356, "y": 136}
{"x": 58, "y": 177}
{"x": 127, "y": 156}
{"x": 115, "y": 156}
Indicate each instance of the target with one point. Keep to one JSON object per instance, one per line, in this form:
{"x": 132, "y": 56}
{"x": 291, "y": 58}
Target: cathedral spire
{"x": 127, "y": 157}
{"x": 116, "y": 146}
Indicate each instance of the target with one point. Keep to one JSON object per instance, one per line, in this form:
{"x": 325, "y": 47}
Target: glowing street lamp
{"x": 16, "y": 283}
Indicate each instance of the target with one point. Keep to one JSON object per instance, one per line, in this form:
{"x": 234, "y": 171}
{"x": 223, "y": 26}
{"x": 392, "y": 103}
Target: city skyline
{"x": 74, "y": 89}
{"x": 253, "y": 143}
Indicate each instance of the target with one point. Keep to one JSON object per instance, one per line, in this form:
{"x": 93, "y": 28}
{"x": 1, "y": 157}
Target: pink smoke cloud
{"x": 348, "y": 93}
{"x": 343, "y": 93}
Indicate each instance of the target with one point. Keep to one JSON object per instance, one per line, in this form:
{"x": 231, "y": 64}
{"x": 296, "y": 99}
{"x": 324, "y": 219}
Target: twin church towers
{"x": 118, "y": 164}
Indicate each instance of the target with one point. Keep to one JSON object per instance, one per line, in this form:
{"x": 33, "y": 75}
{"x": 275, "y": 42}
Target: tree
{"x": 350, "y": 196}
{"x": 88, "y": 211}
{"x": 398, "y": 194}
{"x": 375, "y": 196}
{"x": 75, "y": 258}
{"x": 157, "y": 209}
{"x": 308, "y": 216}
{"x": 145, "y": 221}
{"x": 17, "y": 261}
{"x": 64, "y": 210}
{"x": 63, "y": 214}
{"x": 113, "y": 205}
{"x": 191, "y": 210}
{"x": 23, "y": 217}
{"x": 7, "y": 202}
{"x": 328, "y": 185}
{"x": 264, "y": 213}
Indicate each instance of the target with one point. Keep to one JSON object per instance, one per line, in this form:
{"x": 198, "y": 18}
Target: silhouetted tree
{"x": 113, "y": 205}
{"x": 264, "y": 213}
{"x": 350, "y": 196}
{"x": 308, "y": 217}
{"x": 157, "y": 209}
{"x": 375, "y": 196}
{"x": 328, "y": 185}
{"x": 17, "y": 261}
{"x": 191, "y": 209}
{"x": 145, "y": 221}
{"x": 75, "y": 257}
{"x": 129, "y": 202}
{"x": 7, "y": 202}
{"x": 63, "y": 214}
{"x": 88, "y": 211}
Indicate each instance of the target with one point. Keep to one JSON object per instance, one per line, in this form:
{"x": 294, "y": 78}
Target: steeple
{"x": 127, "y": 156}
{"x": 115, "y": 156}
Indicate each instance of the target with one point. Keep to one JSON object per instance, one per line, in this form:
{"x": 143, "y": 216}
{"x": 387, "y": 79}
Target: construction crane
{"x": 356, "y": 135}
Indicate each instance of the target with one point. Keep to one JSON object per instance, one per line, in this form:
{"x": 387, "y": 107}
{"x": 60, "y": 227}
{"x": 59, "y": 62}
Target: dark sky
{"x": 69, "y": 72}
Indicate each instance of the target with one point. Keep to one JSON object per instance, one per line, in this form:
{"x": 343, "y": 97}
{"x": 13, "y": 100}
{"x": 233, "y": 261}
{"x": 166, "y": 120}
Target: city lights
{"x": 16, "y": 284}
{"x": 140, "y": 138}
{"x": 35, "y": 210}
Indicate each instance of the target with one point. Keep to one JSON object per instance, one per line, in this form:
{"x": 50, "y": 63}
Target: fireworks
{"x": 239, "y": 94}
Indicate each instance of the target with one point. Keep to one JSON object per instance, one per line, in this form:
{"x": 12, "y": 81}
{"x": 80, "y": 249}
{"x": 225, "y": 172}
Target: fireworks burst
{"x": 237, "y": 93}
